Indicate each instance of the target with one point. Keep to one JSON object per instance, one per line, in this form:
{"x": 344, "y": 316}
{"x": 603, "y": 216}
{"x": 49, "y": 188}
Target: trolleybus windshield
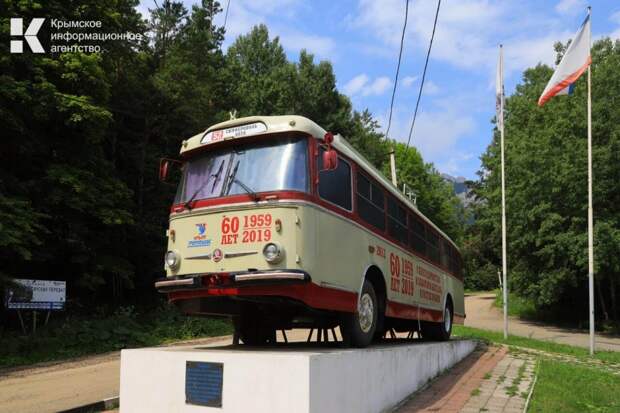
{"x": 269, "y": 166}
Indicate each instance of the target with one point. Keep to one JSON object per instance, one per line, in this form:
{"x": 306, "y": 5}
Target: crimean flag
{"x": 574, "y": 62}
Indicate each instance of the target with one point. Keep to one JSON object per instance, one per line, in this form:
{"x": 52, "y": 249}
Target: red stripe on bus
{"x": 412, "y": 312}
{"x": 310, "y": 294}
{"x": 314, "y": 296}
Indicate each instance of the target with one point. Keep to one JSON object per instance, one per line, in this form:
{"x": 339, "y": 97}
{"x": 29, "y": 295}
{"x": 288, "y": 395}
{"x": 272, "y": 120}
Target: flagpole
{"x": 504, "y": 263}
{"x": 590, "y": 213}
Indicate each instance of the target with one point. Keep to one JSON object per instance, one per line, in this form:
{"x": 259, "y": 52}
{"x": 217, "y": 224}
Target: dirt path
{"x": 481, "y": 313}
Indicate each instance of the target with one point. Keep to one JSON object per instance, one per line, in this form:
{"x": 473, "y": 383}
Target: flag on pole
{"x": 574, "y": 62}
{"x": 499, "y": 90}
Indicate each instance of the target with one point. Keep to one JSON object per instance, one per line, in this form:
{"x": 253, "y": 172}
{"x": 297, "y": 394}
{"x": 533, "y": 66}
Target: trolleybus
{"x": 280, "y": 224}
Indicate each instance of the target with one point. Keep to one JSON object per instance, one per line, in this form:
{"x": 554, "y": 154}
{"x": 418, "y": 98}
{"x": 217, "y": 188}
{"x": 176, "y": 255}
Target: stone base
{"x": 288, "y": 378}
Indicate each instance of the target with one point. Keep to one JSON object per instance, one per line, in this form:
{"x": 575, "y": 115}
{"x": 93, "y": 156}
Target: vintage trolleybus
{"x": 279, "y": 224}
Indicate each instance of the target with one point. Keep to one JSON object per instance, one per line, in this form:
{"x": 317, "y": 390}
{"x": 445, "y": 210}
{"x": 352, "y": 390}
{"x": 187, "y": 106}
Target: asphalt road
{"x": 482, "y": 314}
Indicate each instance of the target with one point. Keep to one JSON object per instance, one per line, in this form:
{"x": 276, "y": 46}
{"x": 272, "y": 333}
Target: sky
{"x": 361, "y": 39}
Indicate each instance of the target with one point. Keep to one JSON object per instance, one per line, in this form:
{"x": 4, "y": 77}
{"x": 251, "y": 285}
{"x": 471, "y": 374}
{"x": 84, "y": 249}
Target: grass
{"x": 570, "y": 388}
{"x": 517, "y": 306}
{"x": 125, "y": 328}
{"x": 548, "y": 346}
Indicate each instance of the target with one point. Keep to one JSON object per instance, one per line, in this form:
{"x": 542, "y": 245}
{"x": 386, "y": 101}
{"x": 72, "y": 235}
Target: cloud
{"x": 361, "y": 85}
{"x": 430, "y": 88}
{"x": 280, "y": 16}
{"x": 436, "y": 132}
{"x": 378, "y": 87}
{"x": 319, "y": 45}
{"x": 468, "y": 32}
{"x": 571, "y": 7}
{"x": 615, "y": 17}
{"x": 356, "y": 84}
{"x": 409, "y": 80}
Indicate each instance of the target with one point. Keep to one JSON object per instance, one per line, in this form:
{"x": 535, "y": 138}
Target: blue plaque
{"x": 203, "y": 383}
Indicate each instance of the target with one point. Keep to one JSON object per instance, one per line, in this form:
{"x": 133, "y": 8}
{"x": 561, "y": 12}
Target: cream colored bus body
{"x": 334, "y": 250}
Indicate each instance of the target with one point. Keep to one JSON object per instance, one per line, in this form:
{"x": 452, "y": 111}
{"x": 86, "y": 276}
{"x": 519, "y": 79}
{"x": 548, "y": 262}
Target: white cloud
{"x": 361, "y": 85}
{"x": 409, "y": 80}
{"x": 436, "y": 132}
{"x": 378, "y": 87}
{"x": 468, "y": 32}
{"x": 615, "y": 17}
{"x": 355, "y": 85}
{"x": 430, "y": 88}
{"x": 280, "y": 17}
{"x": 319, "y": 45}
{"x": 570, "y": 6}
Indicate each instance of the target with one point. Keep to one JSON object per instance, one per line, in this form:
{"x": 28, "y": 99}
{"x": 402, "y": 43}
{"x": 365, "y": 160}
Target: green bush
{"x": 125, "y": 328}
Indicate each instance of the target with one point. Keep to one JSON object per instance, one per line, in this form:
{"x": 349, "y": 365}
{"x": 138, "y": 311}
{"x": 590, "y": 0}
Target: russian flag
{"x": 574, "y": 62}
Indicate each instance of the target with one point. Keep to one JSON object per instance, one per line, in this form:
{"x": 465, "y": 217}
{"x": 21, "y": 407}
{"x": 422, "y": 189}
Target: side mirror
{"x": 330, "y": 160}
{"x": 164, "y": 164}
{"x": 164, "y": 167}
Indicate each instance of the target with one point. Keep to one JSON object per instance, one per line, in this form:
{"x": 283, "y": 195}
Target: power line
{"x": 400, "y": 53}
{"x": 428, "y": 53}
{"x": 226, "y": 14}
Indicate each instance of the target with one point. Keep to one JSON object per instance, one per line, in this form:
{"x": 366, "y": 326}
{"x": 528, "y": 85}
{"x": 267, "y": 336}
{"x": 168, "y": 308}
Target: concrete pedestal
{"x": 287, "y": 379}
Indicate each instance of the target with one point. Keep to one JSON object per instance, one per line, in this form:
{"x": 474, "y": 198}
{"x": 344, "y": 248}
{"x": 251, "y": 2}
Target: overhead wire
{"x": 428, "y": 53}
{"x": 400, "y": 54}
{"x": 226, "y": 14}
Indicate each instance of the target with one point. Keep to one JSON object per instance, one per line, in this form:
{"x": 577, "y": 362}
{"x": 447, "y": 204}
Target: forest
{"x": 82, "y": 136}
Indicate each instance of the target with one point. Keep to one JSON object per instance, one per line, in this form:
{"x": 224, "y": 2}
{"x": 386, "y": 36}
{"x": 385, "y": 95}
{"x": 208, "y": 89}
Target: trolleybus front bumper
{"x": 231, "y": 280}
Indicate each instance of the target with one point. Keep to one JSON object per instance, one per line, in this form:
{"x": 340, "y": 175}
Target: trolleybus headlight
{"x": 173, "y": 259}
{"x": 273, "y": 253}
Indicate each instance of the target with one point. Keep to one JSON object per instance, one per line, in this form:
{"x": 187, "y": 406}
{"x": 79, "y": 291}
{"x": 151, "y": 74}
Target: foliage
{"x": 125, "y": 328}
{"x": 546, "y": 193}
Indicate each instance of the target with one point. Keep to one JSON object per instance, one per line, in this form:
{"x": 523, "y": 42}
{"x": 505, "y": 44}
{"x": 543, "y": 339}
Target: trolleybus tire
{"x": 361, "y": 325}
{"x": 440, "y": 331}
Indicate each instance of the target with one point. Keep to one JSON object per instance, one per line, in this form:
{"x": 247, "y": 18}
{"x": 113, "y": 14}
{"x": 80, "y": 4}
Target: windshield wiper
{"x": 188, "y": 204}
{"x": 232, "y": 179}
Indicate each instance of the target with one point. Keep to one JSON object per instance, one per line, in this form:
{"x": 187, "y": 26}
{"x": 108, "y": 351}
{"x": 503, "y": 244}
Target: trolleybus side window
{"x": 370, "y": 202}
{"x": 335, "y": 185}
{"x": 397, "y": 220}
{"x": 445, "y": 254}
{"x": 417, "y": 235}
{"x": 432, "y": 245}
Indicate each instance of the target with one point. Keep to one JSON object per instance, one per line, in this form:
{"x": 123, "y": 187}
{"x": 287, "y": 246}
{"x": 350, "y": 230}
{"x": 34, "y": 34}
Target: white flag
{"x": 574, "y": 62}
{"x": 499, "y": 89}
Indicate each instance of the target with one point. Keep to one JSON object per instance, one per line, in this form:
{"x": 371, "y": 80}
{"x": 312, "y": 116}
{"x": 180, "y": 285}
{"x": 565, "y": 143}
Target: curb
{"x": 105, "y": 404}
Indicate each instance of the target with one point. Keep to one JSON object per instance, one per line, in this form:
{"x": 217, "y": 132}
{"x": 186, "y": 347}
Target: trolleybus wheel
{"x": 360, "y": 326}
{"x": 440, "y": 331}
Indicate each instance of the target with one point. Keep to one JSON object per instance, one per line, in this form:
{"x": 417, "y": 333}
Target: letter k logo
{"x": 17, "y": 29}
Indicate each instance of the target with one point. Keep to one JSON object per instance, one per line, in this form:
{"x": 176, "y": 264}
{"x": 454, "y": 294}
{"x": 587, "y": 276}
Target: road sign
{"x": 36, "y": 295}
